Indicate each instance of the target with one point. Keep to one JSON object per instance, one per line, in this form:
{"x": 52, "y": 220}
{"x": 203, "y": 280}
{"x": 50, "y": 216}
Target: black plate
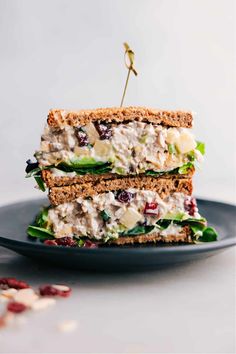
{"x": 14, "y": 219}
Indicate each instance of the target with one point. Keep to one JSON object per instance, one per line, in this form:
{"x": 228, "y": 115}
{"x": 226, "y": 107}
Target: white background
{"x": 69, "y": 54}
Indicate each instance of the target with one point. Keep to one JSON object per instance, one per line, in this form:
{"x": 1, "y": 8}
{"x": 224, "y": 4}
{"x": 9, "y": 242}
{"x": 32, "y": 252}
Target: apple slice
{"x": 92, "y": 132}
{"x": 130, "y": 218}
{"x": 102, "y": 148}
{"x": 172, "y": 136}
{"x": 185, "y": 143}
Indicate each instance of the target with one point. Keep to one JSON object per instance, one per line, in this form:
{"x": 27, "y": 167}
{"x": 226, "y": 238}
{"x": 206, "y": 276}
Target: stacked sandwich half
{"x": 118, "y": 176}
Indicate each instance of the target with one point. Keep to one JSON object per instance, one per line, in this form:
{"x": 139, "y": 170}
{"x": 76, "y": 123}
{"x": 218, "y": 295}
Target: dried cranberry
{"x": 190, "y": 205}
{"x": 82, "y": 137}
{"x": 124, "y": 196}
{"x": 90, "y": 244}
{"x": 151, "y": 209}
{"x": 49, "y": 290}
{"x": 50, "y": 242}
{"x": 16, "y": 307}
{"x": 104, "y": 130}
{"x": 66, "y": 241}
{"x": 6, "y": 283}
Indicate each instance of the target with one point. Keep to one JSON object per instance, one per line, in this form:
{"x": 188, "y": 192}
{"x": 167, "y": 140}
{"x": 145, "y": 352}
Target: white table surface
{"x": 189, "y": 308}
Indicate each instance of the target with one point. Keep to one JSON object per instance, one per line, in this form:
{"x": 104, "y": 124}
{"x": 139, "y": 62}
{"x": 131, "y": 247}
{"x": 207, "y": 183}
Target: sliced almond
{"x": 42, "y": 304}
{"x": 61, "y": 287}
{"x": 26, "y": 297}
{"x": 8, "y": 293}
{"x": 67, "y": 326}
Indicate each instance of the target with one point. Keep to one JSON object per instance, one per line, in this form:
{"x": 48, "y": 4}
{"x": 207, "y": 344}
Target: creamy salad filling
{"x": 131, "y": 148}
{"x": 114, "y": 214}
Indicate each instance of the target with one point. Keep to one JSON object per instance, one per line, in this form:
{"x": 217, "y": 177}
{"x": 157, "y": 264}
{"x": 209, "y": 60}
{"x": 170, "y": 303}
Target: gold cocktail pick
{"x": 129, "y": 63}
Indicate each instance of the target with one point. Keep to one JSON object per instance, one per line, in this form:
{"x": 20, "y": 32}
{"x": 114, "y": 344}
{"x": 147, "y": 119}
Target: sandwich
{"x": 118, "y": 176}
{"x": 94, "y": 145}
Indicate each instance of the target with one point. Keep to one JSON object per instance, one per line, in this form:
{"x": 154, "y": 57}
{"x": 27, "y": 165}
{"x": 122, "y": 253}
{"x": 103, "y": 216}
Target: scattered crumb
{"x": 67, "y": 326}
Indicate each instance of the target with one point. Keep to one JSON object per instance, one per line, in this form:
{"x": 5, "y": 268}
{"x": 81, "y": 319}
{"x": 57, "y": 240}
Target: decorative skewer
{"x": 129, "y": 63}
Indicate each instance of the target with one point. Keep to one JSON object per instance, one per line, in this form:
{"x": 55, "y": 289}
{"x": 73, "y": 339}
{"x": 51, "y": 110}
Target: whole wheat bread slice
{"x": 56, "y": 181}
{"x": 58, "y": 117}
{"x": 184, "y": 237}
{"x": 163, "y": 186}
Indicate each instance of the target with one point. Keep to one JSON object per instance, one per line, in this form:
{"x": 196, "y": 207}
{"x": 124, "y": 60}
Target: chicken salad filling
{"x": 111, "y": 215}
{"x": 131, "y": 148}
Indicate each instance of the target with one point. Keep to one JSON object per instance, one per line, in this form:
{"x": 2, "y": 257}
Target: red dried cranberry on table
{"x": 57, "y": 290}
{"x": 190, "y": 205}
{"x": 104, "y": 130}
{"x": 6, "y": 283}
{"x": 16, "y": 307}
{"x": 151, "y": 209}
{"x": 124, "y": 196}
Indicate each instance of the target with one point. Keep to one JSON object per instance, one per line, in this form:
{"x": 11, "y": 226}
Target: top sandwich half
{"x": 107, "y": 142}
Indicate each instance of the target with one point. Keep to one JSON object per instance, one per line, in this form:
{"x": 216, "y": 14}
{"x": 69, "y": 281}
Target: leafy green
{"x": 40, "y": 228}
{"x": 36, "y": 172}
{"x": 209, "y": 234}
{"x": 171, "y": 148}
{"x": 105, "y": 215}
{"x": 99, "y": 168}
{"x": 185, "y": 168}
{"x": 154, "y": 173}
{"x": 163, "y": 224}
{"x": 176, "y": 217}
{"x": 138, "y": 230}
{"x": 201, "y": 147}
{"x": 42, "y": 218}
{"x": 40, "y": 183}
{"x": 80, "y": 242}
{"x": 181, "y": 170}
{"x": 39, "y": 232}
{"x": 120, "y": 171}
{"x": 84, "y": 162}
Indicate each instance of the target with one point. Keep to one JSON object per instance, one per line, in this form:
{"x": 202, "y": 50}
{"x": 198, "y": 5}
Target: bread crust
{"x": 163, "y": 186}
{"x": 184, "y": 237}
{"x": 58, "y": 117}
{"x": 55, "y": 181}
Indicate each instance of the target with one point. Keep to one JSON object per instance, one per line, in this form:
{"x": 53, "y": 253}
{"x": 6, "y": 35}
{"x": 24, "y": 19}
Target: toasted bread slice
{"x": 58, "y": 117}
{"x": 184, "y": 237}
{"x": 56, "y": 181}
{"x": 163, "y": 186}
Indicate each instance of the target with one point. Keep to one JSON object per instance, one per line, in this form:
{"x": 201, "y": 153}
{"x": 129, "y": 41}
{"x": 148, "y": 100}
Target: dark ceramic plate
{"x": 14, "y": 219}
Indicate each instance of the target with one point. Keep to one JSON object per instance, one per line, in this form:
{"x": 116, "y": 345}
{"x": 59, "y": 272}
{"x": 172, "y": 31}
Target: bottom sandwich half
{"x": 160, "y": 212}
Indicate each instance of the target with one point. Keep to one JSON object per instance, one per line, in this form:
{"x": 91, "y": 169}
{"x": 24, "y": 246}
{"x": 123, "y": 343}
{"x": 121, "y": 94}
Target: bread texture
{"x": 55, "y": 181}
{"x": 60, "y": 117}
{"x": 163, "y": 186}
{"x": 184, "y": 237}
